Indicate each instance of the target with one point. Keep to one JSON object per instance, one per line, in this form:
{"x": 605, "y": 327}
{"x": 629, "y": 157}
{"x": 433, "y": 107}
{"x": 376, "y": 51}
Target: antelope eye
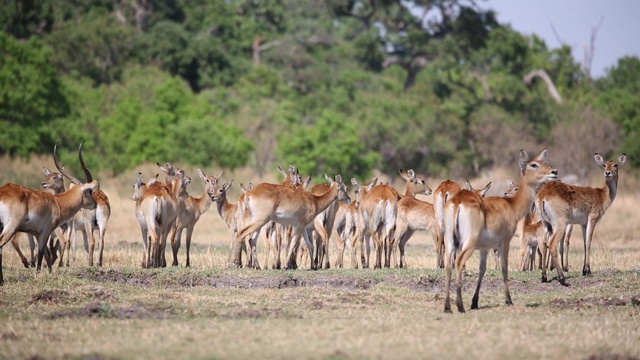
{"x": 615, "y": 165}
{"x": 534, "y": 165}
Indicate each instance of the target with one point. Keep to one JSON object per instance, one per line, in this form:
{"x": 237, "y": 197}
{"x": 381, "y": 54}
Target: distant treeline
{"x": 338, "y": 86}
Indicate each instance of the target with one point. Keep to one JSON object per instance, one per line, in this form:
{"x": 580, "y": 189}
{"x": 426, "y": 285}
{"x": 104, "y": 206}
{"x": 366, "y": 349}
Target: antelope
{"x": 190, "y": 214}
{"x": 344, "y": 225}
{"x": 472, "y": 222}
{"x": 379, "y": 208}
{"x": 230, "y": 213}
{"x": 139, "y": 189}
{"x": 95, "y": 218}
{"x": 176, "y": 182}
{"x": 441, "y": 195}
{"x": 287, "y": 206}
{"x": 349, "y": 224}
{"x": 156, "y": 211}
{"x": 561, "y": 205}
{"x": 39, "y": 212}
{"x": 53, "y": 181}
{"x": 291, "y": 181}
{"x": 323, "y": 225}
{"x": 413, "y": 214}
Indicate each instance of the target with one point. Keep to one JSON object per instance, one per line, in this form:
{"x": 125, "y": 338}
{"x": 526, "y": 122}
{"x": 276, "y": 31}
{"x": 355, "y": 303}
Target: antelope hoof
{"x": 544, "y": 279}
{"x": 586, "y": 271}
{"x": 563, "y": 281}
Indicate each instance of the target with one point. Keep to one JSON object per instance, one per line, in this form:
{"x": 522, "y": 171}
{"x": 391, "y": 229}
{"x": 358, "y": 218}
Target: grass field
{"x": 211, "y": 311}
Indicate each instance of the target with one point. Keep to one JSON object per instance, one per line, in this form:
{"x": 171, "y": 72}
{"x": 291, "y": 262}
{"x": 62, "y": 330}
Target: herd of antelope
{"x": 460, "y": 220}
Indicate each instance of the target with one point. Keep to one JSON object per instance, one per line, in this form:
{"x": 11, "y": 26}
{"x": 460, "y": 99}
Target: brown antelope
{"x": 291, "y": 180}
{"x": 531, "y": 234}
{"x": 96, "y": 218}
{"x": 139, "y": 189}
{"x": 413, "y": 214}
{"x": 176, "y": 182}
{"x": 379, "y": 208}
{"x": 287, "y": 206}
{"x": 345, "y": 226}
{"x": 156, "y": 212}
{"x": 190, "y": 212}
{"x": 39, "y": 212}
{"x": 441, "y": 195}
{"x": 561, "y": 205}
{"x": 230, "y": 213}
{"x": 349, "y": 226}
{"x": 54, "y": 182}
{"x": 472, "y": 222}
{"x": 322, "y": 225}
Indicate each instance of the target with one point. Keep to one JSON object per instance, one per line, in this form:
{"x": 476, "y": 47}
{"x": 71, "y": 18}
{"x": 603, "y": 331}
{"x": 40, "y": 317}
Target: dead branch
{"x": 528, "y": 79}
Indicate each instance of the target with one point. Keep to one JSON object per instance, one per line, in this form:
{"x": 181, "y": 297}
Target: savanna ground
{"x": 120, "y": 311}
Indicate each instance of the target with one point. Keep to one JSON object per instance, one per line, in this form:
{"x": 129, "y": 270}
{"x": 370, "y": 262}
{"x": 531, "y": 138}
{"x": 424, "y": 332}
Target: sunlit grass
{"x": 79, "y": 312}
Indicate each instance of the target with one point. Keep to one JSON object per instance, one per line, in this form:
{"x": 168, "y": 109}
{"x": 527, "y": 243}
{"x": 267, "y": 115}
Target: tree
{"x": 31, "y": 96}
{"x": 331, "y": 146}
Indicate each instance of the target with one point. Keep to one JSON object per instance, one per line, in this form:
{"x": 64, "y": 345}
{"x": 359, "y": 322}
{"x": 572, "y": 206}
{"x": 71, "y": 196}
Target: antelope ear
{"x": 524, "y": 158}
{"x": 598, "y": 159}
{"x": 468, "y": 186}
{"x": 510, "y": 182}
{"x": 339, "y": 179}
{"x": 354, "y": 182}
{"x": 202, "y": 174}
{"x": 543, "y": 155}
{"x": 622, "y": 159}
{"x": 46, "y": 171}
{"x": 227, "y": 186}
{"x": 484, "y": 190}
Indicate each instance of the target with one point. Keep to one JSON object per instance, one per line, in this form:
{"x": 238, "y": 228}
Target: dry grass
{"x": 211, "y": 311}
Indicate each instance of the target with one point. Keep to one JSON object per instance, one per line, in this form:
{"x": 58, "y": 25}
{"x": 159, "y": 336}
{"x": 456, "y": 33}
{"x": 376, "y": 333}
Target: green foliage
{"x": 99, "y": 49}
{"x": 620, "y": 97}
{"x": 25, "y": 18}
{"x": 31, "y": 96}
{"x": 330, "y": 146}
{"x": 333, "y": 86}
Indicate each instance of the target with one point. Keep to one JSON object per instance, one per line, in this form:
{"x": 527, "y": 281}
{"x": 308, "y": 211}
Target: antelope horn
{"x": 87, "y": 173}
{"x": 61, "y": 168}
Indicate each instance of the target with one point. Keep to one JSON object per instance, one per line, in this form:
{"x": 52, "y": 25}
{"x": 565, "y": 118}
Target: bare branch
{"x": 259, "y": 47}
{"x": 590, "y": 50}
{"x": 560, "y": 40}
{"x": 528, "y": 79}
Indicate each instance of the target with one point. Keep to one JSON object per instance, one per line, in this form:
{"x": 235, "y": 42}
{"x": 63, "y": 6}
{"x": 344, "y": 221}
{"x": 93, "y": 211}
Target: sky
{"x": 573, "y": 20}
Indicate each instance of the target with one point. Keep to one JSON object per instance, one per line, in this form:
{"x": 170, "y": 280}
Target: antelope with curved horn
{"x": 472, "y": 222}
{"x": 561, "y": 205}
{"x": 96, "y": 218}
{"x": 39, "y": 212}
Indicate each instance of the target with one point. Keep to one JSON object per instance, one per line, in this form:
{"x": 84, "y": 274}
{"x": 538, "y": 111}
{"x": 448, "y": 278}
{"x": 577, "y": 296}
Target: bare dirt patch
{"x": 105, "y": 310}
{"x": 589, "y": 302}
{"x": 60, "y": 296}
